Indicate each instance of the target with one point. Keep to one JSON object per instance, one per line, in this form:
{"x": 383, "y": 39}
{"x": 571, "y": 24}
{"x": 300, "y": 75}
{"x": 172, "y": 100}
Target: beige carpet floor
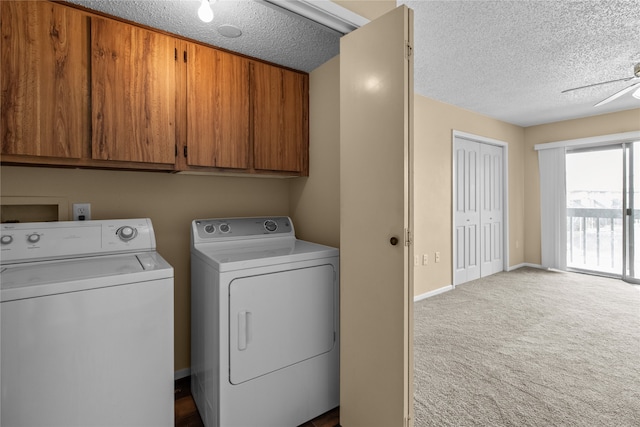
{"x": 529, "y": 348}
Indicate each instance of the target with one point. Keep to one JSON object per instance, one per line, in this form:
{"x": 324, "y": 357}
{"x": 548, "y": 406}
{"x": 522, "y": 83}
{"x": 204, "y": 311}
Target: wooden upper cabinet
{"x": 133, "y": 94}
{"x": 44, "y": 79}
{"x": 280, "y": 119}
{"x": 217, "y": 108}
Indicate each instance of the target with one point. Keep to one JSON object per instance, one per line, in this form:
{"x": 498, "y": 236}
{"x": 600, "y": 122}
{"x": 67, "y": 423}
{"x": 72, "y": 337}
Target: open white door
{"x": 376, "y": 120}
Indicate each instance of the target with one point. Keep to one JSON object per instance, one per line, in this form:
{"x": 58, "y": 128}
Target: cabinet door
{"x": 281, "y": 123}
{"x": 44, "y": 79}
{"x": 217, "y": 108}
{"x": 133, "y": 93}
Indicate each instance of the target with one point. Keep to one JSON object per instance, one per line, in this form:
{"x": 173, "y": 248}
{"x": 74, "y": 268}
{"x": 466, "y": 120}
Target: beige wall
{"x": 315, "y": 201}
{"x": 367, "y": 8}
{"x": 171, "y": 201}
{"x": 624, "y": 121}
{"x": 434, "y": 124}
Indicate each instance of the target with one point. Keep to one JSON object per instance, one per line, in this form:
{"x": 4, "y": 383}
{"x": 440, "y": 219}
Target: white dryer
{"x": 264, "y": 325}
{"x": 87, "y": 325}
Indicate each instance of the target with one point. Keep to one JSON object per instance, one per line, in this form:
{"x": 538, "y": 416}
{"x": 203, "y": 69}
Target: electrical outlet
{"x": 437, "y": 256}
{"x": 81, "y": 211}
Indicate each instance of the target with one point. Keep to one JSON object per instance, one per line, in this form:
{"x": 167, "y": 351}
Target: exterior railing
{"x": 594, "y": 239}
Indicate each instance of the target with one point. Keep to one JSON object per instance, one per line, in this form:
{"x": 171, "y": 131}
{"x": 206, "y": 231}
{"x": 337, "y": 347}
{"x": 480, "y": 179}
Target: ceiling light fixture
{"x": 204, "y": 12}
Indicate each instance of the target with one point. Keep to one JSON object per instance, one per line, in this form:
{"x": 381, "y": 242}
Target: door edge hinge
{"x": 407, "y": 237}
{"x": 184, "y": 151}
{"x": 175, "y": 54}
{"x": 185, "y": 56}
{"x": 176, "y": 150}
{"x": 408, "y": 50}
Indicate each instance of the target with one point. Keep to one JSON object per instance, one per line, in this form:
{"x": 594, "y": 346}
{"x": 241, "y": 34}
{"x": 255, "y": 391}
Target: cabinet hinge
{"x": 185, "y": 151}
{"x": 175, "y": 54}
{"x": 407, "y": 237}
{"x": 176, "y": 146}
{"x": 185, "y": 56}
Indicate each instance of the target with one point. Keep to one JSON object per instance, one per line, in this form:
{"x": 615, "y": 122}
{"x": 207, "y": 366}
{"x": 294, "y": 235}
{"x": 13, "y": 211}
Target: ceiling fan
{"x": 635, "y": 84}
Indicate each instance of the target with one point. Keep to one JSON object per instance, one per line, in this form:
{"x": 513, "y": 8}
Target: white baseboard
{"x": 525, "y": 264}
{"x": 432, "y": 293}
{"x": 182, "y": 373}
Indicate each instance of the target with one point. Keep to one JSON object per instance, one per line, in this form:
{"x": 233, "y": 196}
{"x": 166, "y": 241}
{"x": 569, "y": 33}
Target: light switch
{"x": 425, "y": 259}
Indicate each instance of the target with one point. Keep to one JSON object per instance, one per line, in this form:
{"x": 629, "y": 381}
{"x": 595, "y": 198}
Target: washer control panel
{"x": 241, "y": 228}
{"x": 23, "y": 242}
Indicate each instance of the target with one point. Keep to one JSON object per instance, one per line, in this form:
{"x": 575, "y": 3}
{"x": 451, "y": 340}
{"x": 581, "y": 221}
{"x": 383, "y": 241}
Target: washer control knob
{"x": 225, "y": 228}
{"x": 210, "y": 228}
{"x": 33, "y": 238}
{"x": 270, "y": 225}
{"x": 6, "y": 239}
{"x": 126, "y": 233}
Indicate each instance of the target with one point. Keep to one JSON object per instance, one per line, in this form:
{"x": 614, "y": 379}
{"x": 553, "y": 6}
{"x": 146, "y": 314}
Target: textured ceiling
{"x": 505, "y": 59}
{"x": 512, "y": 59}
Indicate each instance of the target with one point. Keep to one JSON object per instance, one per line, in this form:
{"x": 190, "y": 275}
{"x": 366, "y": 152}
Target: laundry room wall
{"x": 171, "y": 201}
{"x": 315, "y": 200}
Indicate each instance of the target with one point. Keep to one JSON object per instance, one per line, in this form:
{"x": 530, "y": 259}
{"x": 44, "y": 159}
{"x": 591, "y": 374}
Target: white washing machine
{"x": 87, "y": 325}
{"x": 264, "y": 325}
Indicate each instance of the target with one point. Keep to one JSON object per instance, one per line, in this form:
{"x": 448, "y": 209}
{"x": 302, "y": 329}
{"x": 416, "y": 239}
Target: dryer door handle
{"x": 244, "y": 329}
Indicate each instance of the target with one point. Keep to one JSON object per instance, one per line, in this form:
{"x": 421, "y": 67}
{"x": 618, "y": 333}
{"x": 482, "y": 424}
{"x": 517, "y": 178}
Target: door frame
{"x": 505, "y": 194}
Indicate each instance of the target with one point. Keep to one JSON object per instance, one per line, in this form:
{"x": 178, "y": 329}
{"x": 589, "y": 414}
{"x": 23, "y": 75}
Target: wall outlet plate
{"x": 81, "y": 211}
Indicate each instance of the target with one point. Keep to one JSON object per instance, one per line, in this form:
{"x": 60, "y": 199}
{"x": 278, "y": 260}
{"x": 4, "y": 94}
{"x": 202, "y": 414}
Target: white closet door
{"x": 467, "y": 210}
{"x": 491, "y": 214}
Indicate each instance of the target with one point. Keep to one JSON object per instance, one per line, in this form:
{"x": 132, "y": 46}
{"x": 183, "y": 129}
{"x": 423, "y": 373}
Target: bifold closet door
{"x": 491, "y": 212}
{"x": 479, "y": 209}
{"x": 467, "y": 210}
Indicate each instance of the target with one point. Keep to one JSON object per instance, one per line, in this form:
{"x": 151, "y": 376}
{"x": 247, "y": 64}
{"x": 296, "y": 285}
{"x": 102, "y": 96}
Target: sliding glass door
{"x": 603, "y": 223}
{"x": 594, "y": 209}
{"x": 631, "y": 268}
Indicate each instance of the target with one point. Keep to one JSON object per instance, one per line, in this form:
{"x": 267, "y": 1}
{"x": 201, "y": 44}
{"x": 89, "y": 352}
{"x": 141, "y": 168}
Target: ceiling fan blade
{"x": 617, "y": 94}
{"x": 598, "y": 84}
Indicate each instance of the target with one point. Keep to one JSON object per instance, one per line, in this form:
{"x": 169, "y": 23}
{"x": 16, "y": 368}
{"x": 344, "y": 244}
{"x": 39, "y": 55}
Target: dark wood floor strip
{"x": 187, "y": 415}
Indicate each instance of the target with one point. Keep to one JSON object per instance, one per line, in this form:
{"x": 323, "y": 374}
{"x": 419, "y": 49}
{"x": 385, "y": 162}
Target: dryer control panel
{"x": 221, "y": 229}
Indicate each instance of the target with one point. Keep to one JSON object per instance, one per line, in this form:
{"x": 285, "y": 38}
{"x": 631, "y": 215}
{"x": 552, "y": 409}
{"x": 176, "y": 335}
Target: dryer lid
{"x": 231, "y": 256}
